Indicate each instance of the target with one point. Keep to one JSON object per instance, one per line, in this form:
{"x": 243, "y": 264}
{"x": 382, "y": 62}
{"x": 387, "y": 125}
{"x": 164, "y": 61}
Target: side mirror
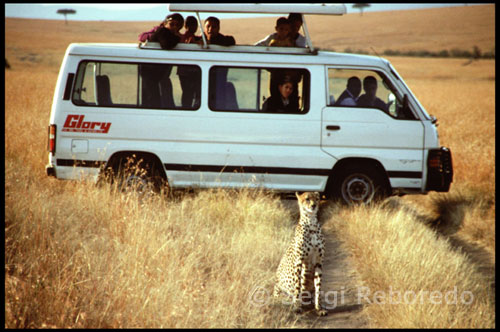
{"x": 391, "y": 103}
{"x": 434, "y": 120}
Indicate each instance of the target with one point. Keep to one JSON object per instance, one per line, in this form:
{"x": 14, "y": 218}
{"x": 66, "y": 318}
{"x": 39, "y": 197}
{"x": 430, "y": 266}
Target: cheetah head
{"x": 308, "y": 201}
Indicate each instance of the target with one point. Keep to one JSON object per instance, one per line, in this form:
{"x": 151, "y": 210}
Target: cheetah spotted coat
{"x": 300, "y": 269}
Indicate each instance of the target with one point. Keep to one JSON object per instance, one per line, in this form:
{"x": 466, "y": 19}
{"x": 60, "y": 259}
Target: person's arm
{"x": 145, "y": 36}
{"x": 229, "y": 41}
{"x": 265, "y": 41}
{"x": 166, "y": 38}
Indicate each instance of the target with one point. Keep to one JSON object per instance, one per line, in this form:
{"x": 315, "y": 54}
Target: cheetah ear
{"x": 297, "y": 194}
{"x": 317, "y": 194}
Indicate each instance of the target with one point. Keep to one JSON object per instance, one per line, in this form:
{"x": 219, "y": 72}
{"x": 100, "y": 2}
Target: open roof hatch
{"x": 316, "y": 9}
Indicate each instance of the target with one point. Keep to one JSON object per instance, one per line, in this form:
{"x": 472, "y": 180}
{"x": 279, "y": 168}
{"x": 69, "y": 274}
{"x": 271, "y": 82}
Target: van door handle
{"x": 332, "y": 127}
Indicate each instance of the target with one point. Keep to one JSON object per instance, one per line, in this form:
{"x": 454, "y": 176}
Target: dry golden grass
{"x": 412, "y": 277}
{"x": 426, "y": 29}
{"x": 81, "y": 256}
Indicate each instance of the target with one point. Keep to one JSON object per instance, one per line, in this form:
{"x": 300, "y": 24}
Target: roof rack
{"x": 236, "y": 48}
{"x": 316, "y": 9}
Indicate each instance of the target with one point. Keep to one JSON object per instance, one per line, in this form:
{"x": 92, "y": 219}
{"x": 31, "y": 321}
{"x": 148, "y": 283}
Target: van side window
{"x": 243, "y": 89}
{"x": 365, "y": 89}
{"x": 133, "y": 85}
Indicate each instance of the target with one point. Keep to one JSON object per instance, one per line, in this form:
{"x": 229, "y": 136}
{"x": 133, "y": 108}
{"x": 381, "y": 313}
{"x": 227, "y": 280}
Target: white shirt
{"x": 300, "y": 41}
{"x": 349, "y": 101}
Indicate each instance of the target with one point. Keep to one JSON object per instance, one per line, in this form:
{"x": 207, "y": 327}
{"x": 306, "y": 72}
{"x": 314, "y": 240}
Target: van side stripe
{"x": 400, "y": 174}
{"x": 80, "y": 163}
{"x": 246, "y": 169}
{"x": 235, "y": 169}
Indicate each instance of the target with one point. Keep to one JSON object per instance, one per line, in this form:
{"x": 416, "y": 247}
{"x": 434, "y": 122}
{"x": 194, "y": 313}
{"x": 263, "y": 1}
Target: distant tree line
{"x": 453, "y": 53}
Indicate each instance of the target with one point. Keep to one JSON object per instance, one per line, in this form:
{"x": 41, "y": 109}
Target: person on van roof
{"x": 191, "y": 26}
{"x": 370, "y": 99}
{"x": 296, "y": 21}
{"x": 296, "y": 39}
{"x": 167, "y": 33}
{"x": 282, "y": 35}
{"x": 350, "y": 95}
{"x": 212, "y": 28}
{"x": 283, "y": 102}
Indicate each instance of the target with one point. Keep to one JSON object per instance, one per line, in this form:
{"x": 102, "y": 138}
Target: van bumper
{"x": 439, "y": 170}
{"x": 50, "y": 170}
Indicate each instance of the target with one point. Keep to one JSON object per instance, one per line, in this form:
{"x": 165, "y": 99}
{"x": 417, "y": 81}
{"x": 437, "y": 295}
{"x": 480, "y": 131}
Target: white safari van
{"x": 196, "y": 116}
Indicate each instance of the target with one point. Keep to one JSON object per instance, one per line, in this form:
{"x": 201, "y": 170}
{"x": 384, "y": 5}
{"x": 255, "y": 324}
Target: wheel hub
{"x": 358, "y": 189}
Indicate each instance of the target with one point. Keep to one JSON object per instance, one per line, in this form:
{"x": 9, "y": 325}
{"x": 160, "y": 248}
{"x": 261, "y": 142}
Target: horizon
{"x": 157, "y": 12}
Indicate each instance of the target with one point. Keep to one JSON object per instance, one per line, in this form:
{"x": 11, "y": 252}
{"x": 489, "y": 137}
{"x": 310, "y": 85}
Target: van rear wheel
{"x": 136, "y": 173}
{"x": 359, "y": 185}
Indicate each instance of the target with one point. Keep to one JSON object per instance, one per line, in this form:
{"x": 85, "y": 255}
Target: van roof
{"x": 316, "y": 9}
{"x": 238, "y": 54}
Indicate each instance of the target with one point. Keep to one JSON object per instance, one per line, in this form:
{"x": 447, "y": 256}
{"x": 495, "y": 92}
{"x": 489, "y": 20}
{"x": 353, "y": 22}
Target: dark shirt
{"x": 377, "y": 103}
{"x": 166, "y": 38}
{"x": 275, "y": 104}
{"x": 222, "y": 40}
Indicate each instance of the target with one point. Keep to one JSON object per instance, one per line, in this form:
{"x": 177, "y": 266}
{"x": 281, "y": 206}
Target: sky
{"x": 149, "y": 12}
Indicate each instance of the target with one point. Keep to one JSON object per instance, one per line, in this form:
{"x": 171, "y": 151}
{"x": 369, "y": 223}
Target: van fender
{"x": 153, "y": 169}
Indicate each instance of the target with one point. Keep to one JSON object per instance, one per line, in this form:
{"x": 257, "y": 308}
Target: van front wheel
{"x": 359, "y": 186}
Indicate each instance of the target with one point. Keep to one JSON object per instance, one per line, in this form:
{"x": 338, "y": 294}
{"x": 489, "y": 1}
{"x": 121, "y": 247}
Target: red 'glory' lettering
{"x": 75, "y": 123}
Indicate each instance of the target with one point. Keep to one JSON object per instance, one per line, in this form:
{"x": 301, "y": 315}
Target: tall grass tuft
{"x": 91, "y": 257}
{"x": 413, "y": 277}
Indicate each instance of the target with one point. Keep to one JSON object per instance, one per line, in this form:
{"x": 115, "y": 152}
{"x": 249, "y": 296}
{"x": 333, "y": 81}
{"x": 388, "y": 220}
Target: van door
{"x": 359, "y": 123}
{"x": 248, "y": 139}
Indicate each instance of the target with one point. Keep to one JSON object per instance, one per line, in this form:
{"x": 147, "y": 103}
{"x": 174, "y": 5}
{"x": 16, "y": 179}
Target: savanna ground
{"x": 77, "y": 255}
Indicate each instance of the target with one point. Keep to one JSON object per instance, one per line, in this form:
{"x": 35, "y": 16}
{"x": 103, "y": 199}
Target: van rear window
{"x": 268, "y": 90}
{"x": 133, "y": 85}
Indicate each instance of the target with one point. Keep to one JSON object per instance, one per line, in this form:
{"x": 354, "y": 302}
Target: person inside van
{"x": 370, "y": 99}
{"x": 212, "y": 28}
{"x": 189, "y": 76}
{"x": 281, "y": 37}
{"x": 157, "y": 88}
{"x": 350, "y": 95}
{"x": 191, "y": 26}
{"x": 296, "y": 22}
{"x": 282, "y": 102}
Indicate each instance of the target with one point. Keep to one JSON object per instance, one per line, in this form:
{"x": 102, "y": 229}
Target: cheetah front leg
{"x": 300, "y": 274}
{"x": 317, "y": 290}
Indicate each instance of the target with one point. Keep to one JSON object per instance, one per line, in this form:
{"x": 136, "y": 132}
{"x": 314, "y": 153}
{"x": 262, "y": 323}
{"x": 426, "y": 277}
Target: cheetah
{"x": 300, "y": 269}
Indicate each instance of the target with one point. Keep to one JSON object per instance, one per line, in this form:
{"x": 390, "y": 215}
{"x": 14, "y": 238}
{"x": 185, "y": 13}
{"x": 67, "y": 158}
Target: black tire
{"x": 359, "y": 185}
{"x": 135, "y": 173}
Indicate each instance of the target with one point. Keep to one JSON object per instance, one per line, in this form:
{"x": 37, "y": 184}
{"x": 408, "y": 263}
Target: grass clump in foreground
{"x": 84, "y": 257}
{"x": 414, "y": 274}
